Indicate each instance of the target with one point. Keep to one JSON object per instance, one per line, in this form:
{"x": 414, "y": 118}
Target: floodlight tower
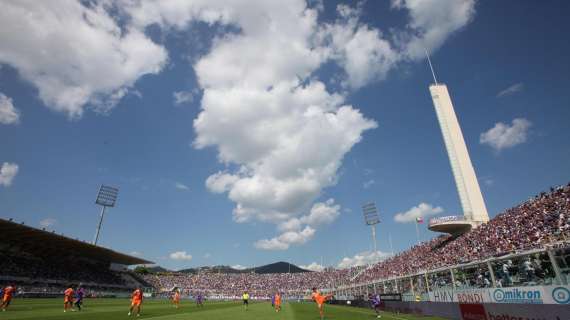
{"x": 107, "y": 197}
{"x": 371, "y": 219}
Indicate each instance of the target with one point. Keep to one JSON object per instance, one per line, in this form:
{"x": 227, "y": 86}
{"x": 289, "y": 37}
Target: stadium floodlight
{"x": 371, "y": 218}
{"x": 370, "y": 214}
{"x": 107, "y": 197}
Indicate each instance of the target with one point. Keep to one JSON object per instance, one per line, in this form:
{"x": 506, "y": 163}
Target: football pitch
{"x": 114, "y": 309}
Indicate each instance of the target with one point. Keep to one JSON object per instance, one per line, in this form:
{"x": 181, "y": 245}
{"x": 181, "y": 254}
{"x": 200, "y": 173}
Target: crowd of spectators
{"x": 539, "y": 221}
{"x": 22, "y": 266}
{"x": 542, "y": 220}
{"x": 233, "y": 284}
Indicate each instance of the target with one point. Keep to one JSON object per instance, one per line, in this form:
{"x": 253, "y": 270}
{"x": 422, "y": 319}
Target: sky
{"x": 248, "y": 132}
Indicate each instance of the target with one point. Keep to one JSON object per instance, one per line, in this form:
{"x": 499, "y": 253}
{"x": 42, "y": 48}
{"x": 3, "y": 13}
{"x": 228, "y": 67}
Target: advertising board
{"x": 511, "y": 311}
{"x": 472, "y": 311}
{"x": 460, "y": 295}
{"x": 522, "y": 295}
{"x": 484, "y": 311}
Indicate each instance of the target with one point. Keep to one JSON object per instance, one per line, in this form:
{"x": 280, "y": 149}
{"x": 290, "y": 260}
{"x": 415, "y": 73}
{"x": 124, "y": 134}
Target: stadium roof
{"x": 43, "y": 243}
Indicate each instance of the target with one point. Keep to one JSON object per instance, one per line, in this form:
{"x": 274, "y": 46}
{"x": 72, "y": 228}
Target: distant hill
{"x": 146, "y": 269}
{"x": 157, "y": 269}
{"x": 277, "y": 267}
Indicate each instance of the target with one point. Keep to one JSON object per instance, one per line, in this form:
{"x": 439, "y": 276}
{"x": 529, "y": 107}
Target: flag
{"x": 419, "y": 220}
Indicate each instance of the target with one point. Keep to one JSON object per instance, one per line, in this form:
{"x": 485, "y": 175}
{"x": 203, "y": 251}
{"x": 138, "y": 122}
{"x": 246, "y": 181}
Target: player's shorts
{"x": 136, "y": 303}
{"x": 7, "y": 300}
{"x": 320, "y": 305}
{"x": 245, "y": 301}
{"x": 67, "y": 300}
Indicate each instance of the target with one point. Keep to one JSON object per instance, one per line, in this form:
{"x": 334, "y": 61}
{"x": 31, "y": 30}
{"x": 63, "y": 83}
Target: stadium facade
{"x": 472, "y": 203}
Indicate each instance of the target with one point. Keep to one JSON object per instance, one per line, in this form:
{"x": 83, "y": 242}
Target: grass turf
{"x": 114, "y": 309}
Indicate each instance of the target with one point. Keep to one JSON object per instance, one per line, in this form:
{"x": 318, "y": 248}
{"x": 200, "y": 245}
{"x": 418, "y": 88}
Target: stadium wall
{"x": 482, "y": 311}
{"x": 513, "y": 303}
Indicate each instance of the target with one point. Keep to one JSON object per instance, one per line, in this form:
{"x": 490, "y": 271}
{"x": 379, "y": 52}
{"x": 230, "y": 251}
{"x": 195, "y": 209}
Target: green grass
{"x": 114, "y": 309}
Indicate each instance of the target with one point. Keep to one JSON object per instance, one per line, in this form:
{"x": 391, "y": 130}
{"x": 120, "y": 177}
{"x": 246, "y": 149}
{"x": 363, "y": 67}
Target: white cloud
{"x": 362, "y": 259}
{"x": 239, "y": 267}
{"x": 181, "y": 186}
{"x": 8, "y": 113}
{"x": 432, "y": 22}
{"x": 360, "y": 50}
{"x": 75, "y": 53}
{"x": 321, "y": 213}
{"x": 503, "y": 135}
{"x": 421, "y": 210}
{"x": 176, "y": 14}
{"x": 7, "y": 173}
{"x": 288, "y": 116}
{"x": 180, "y": 255}
{"x": 517, "y": 87}
{"x": 183, "y": 97}
{"x": 221, "y": 182}
{"x": 368, "y": 184}
{"x": 313, "y": 267}
{"x": 286, "y": 239}
{"x": 488, "y": 181}
{"x": 47, "y": 222}
{"x": 264, "y": 109}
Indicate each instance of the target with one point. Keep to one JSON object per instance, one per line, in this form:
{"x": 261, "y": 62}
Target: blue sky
{"x": 306, "y": 112}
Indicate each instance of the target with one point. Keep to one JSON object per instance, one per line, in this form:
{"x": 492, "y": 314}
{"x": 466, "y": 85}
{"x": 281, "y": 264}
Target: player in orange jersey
{"x": 136, "y": 301}
{"x": 320, "y": 300}
{"x": 176, "y": 298}
{"x": 68, "y": 299}
{"x": 7, "y": 297}
{"x": 277, "y": 302}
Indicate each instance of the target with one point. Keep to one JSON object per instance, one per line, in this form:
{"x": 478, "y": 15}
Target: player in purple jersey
{"x": 79, "y": 294}
{"x": 375, "y": 303}
{"x": 200, "y": 300}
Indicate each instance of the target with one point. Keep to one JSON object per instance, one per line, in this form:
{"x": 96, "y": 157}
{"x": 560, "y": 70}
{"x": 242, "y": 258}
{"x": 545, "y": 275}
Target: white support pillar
{"x": 492, "y": 273}
{"x": 556, "y": 268}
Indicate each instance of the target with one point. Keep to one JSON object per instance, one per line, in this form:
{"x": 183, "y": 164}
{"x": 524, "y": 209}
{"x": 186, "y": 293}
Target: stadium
{"x": 274, "y": 85}
{"x": 524, "y": 248}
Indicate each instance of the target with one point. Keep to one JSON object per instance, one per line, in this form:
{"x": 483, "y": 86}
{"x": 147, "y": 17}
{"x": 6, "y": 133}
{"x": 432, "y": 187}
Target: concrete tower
{"x": 474, "y": 209}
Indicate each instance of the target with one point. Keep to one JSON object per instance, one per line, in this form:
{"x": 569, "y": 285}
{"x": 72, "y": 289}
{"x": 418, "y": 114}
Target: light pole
{"x": 107, "y": 197}
{"x": 371, "y": 218}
